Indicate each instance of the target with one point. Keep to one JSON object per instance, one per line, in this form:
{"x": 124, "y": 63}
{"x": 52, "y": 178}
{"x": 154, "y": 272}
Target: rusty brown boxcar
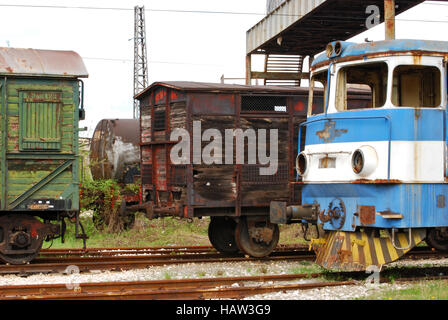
{"x": 236, "y": 196}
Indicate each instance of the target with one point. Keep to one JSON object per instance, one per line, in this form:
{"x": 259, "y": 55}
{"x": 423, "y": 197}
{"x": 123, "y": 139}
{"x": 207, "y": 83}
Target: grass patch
{"x": 157, "y": 232}
{"x": 427, "y": 290}
{"x": 306, "y": 268}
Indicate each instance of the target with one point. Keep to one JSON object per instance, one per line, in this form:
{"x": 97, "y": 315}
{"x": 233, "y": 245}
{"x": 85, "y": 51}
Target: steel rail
{"x": 150, "y": 250}
{"x": 132, "y": 262}
{"x": 210, "y": 288}
{"x": 164, "y": 289}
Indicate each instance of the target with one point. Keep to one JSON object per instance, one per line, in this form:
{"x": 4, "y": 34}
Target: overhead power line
{"x": 207, "y": 11}
{"x": 151, "y": 62}
{"x": 129, "y": 9}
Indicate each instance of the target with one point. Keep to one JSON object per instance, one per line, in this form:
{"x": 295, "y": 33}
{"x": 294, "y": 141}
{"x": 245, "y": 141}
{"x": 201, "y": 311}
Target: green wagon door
{"x": 40, "y": 120}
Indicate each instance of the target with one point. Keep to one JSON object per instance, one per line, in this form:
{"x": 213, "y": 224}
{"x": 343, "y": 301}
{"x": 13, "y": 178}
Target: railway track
{"x": 210, "y": 288}
{"x": 116, "y": 259}
{"x": 101, "y": 259}
{"x": 166, "y": 250}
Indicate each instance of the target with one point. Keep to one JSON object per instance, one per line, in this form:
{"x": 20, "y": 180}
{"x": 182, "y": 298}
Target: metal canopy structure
{"x": 304, "y": 27}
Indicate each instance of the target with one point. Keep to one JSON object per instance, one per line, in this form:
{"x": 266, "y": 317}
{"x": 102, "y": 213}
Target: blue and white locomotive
{"x": 376, "y": 175}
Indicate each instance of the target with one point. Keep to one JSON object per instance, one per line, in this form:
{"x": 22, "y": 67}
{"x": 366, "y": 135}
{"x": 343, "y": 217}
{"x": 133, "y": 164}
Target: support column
{"x": 389, "y": 19}
{"x": 248, "y": 69}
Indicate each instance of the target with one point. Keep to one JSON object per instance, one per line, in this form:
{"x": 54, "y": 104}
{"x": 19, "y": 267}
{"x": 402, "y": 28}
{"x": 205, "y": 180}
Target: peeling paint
{"x": 330, "y": 132}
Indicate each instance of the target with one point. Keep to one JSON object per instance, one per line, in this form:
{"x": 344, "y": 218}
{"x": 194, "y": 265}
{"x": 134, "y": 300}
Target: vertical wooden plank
{"x": 238, "y": 167}
{"x": 4, "y": 142}
{"x": 189, "y": 173}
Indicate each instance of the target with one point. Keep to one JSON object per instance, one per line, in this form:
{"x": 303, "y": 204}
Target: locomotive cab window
{"x": 40, "y": 120}
{"x": 361, "y": 86}
{"x": 416, "y": 86}
{"x": 317, "y": 103}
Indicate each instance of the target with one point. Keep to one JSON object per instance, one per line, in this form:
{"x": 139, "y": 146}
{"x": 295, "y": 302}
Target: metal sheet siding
{"x": 416, "y": 202}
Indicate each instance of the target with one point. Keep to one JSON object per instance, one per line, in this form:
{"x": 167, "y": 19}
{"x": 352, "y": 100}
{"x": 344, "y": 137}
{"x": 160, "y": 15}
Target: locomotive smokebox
{"x": 115, "y": 151}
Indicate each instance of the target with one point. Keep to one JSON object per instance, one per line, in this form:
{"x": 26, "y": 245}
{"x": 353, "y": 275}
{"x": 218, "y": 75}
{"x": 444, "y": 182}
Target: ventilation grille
{"x": 159, "y": 120}
{"x": 263, "y": 104}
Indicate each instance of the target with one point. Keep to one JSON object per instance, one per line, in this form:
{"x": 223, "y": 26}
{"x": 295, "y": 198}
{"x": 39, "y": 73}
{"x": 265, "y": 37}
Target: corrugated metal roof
{"x": 222, "y": 87}
{"x": 35, "y": 62}
{"x": 306, "y": 26}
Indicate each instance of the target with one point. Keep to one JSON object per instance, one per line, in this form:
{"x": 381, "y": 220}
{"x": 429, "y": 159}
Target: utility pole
{"x": 140, "y": 60}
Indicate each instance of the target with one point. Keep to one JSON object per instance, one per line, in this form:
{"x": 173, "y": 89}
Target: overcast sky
{"x": 181, "y": 46}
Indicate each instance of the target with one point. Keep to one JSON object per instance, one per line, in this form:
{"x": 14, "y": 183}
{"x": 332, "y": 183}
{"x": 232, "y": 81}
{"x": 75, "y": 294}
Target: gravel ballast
{"x": 225, "y": 269}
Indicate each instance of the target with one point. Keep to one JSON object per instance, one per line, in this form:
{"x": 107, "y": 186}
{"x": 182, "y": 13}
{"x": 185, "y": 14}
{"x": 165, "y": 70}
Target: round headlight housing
{"x": 338, "y": 48}
{"x": 364, "y": 161}
{"x": 357, "y": 161}
{"x": 302, "y": 163}
{"x": 329, "y": 50}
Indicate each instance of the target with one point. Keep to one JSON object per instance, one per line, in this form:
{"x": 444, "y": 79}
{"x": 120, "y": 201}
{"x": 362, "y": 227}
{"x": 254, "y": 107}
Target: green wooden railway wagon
{"x": 41, "y": 105}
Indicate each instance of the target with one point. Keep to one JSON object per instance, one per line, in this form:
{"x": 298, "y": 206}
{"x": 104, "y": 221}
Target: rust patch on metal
{"x": 367, "y": 214}
{"x": 329, "y": 133}
{"x": 327, "y": 162}
{"x": 377, "y": 181}
{"x": 417, "y": 59}
{"x": 387, "y": 214}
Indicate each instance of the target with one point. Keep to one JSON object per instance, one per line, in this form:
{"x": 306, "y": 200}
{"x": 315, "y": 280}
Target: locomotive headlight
{"x": 302, "y": 163}
{"x": 364, "y": 160}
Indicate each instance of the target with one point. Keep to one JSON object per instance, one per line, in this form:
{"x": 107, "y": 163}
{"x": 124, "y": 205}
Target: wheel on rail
{"x": 437, "y": 238}
{"x": 221, "y": 233}
{"x": 256, "y": 237}
{"x": 21, "y": 237}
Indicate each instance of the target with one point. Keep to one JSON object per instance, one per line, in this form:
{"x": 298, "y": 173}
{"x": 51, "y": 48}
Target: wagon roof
{"x": 35, "y": 62}
{"x": 358, "y": 50}
{"x": 222, "y": 87}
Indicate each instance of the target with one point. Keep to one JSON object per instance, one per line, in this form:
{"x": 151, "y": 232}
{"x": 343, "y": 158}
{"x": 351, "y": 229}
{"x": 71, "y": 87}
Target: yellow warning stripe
{"x": 379, "y": 251}
{"x": 354, "y": 246}
{"x": 363, "y": 249}
{"x": 392, "y": 252}
{"x": 403, "y": 240}
{"x": 367, "y": 253}
{"x": 417, "y": 238}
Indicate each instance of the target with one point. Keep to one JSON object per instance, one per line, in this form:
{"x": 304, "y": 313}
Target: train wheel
{"x": 21, "y": 238}
{"x": 221, "y": 233}
{"x": 257, "y": 238}
{"x": 22, "y": 258}
{"x": 438, "y": 239}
